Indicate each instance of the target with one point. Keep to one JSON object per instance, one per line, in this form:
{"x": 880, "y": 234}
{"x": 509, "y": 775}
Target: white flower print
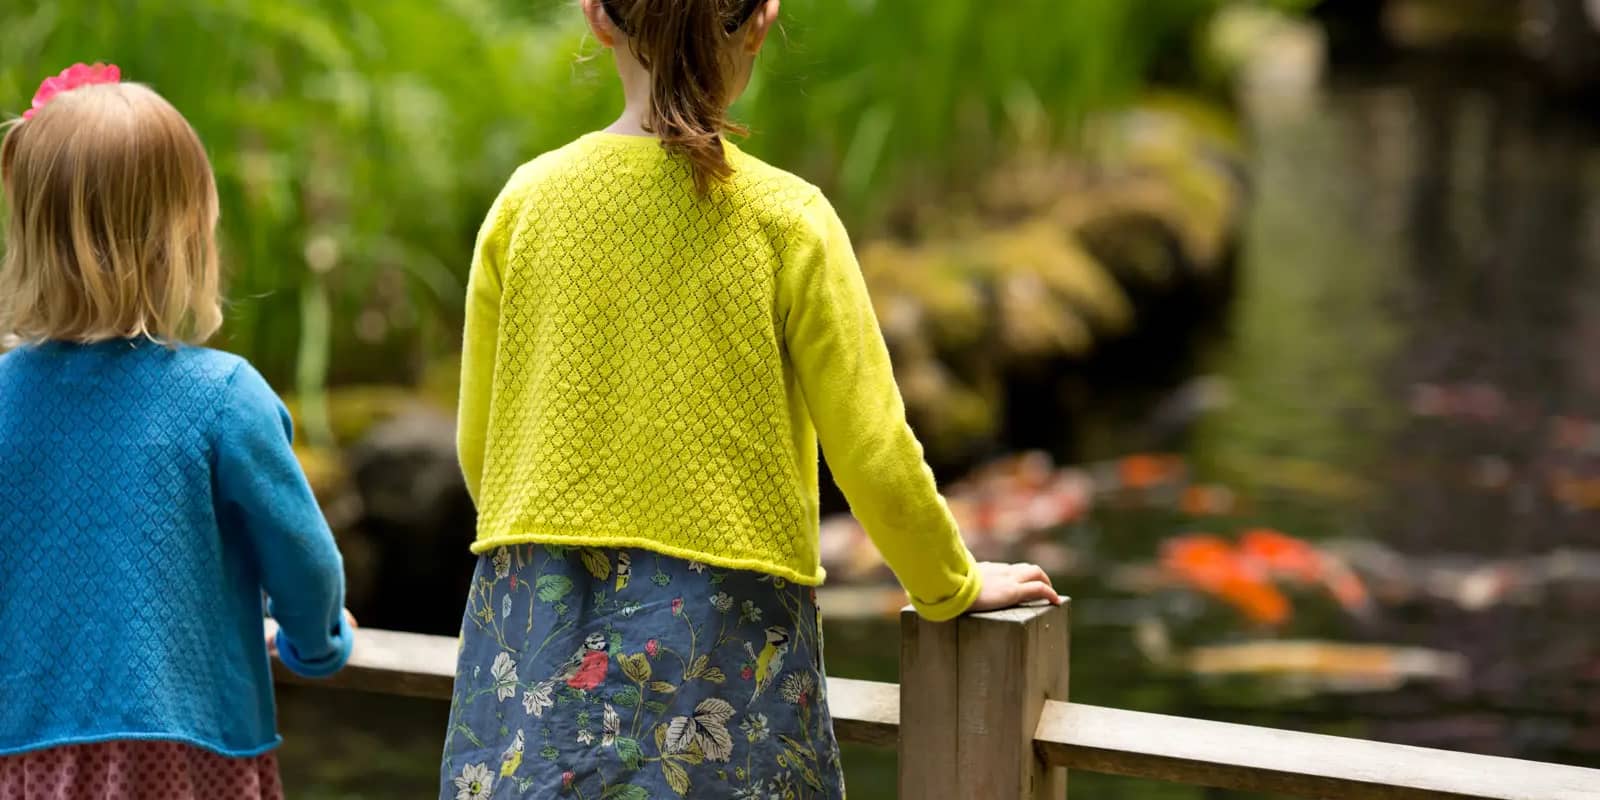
{"x": 695, "y": 566}
{"x": 585, "y": 737}
{"x": 755, "y": 728}
{"x": 502, "y": 563}
{"x": 722, "y": 601}
{"x": 504, "y": 671}
{"x": 798, "y": 688}
{"x": 749, "y": 613}
{"x": 749, "y": 793}
{"x": 474, "y": 783}
{"x": 539, "y": 698}
{"x": 505, "y": 606}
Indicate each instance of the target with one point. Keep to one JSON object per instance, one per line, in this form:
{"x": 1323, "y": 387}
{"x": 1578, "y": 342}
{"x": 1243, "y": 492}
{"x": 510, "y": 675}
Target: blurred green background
{"x": 358, "y": 144}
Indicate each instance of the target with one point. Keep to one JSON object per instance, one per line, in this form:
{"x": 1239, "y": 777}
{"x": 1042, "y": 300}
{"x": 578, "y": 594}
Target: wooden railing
{"x": 981, "y": 713}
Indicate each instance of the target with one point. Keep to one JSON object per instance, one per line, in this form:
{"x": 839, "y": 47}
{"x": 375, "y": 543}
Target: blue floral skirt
{"x": 603, "y": 674}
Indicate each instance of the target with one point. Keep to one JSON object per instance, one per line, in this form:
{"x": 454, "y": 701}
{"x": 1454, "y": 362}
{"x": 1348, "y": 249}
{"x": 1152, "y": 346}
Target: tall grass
{"x": 358, "y": 143}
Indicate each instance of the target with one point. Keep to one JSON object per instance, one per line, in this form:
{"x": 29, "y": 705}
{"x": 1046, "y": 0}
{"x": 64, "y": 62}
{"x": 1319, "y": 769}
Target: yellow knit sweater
{"x": 647, "y": 368}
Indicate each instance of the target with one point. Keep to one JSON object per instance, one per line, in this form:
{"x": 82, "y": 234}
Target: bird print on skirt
{"x": 598, "y": 674}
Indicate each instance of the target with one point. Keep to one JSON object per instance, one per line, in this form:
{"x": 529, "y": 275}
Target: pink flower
{"x": 513, "y": 583}
{"x": 746, "y": 673}
{"x": 652, "y": 647}
{"x": 677, "y": 606}
{"x": 73, "y": 77}
{"x": 566, "y": 779}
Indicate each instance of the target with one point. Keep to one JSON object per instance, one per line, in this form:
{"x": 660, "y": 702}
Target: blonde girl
{"x": 150, "y": 497}
{"x": 660, "y": 330}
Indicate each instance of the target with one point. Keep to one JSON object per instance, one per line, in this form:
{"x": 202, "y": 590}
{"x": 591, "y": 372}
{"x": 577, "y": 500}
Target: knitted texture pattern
{"x": 150, "y": 497}
{"x": 646, "y": 367}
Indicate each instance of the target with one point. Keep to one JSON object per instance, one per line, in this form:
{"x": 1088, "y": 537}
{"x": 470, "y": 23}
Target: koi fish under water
{"x": 1328, "y": 666}
{"x": 1245, "y": 575}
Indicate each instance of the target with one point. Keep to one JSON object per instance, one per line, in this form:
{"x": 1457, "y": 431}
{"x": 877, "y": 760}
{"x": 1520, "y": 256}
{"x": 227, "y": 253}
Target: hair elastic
{"x": 746, "y": 10}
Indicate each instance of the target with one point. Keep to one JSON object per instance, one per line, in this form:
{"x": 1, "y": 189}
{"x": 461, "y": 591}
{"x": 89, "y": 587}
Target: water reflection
{"x": 1418, "y": 316}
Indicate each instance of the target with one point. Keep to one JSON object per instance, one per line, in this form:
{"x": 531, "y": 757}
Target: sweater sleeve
{"x": 262, "y": 490}
{"x": 480, "y": 341}
{"x": 842, "y": 365}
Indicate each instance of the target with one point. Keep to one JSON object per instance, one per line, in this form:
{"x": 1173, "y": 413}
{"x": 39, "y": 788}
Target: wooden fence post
{"x": 971, "y": 692}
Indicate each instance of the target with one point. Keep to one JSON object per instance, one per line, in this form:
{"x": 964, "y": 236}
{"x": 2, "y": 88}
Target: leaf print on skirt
{"x": 715, "y": 695}
{"x": 707, "y": 730}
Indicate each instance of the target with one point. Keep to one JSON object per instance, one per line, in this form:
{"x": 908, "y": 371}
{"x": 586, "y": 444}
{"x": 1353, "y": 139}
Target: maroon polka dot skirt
{"x": 137, "y": 770}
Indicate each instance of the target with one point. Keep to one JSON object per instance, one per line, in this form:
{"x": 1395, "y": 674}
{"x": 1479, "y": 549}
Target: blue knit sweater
{"x": 148, "y": 499}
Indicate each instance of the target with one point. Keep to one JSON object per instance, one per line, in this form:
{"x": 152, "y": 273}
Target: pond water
{"x": 1412, "y": 361}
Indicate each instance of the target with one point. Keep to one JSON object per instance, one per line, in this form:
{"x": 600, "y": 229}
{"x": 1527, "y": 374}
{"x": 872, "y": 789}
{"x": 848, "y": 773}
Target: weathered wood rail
{"x": 981, "y": 713}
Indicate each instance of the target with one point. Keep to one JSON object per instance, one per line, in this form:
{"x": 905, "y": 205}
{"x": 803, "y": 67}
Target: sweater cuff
{"x": 955, "y": 605}
{"x": 343, "y": 640}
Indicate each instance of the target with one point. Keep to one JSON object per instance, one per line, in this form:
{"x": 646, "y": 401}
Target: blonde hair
{"x": 111, "y": 228}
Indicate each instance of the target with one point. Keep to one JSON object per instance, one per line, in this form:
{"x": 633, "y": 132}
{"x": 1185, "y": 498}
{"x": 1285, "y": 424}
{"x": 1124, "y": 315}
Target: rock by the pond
{"x": 418, "y": 519}
{"x": 1053, "y": 259}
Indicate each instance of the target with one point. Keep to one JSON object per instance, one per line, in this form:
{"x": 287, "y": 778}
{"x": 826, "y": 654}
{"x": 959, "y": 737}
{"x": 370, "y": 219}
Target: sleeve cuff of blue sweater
{"x": 343, "y": 640}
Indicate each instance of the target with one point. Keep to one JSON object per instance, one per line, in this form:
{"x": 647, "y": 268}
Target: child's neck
{"x": 636, "y": 91}
{"x": 629, "y": 124}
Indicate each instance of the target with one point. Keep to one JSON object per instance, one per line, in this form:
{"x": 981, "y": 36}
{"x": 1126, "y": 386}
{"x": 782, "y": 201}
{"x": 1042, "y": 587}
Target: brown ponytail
{"x": 683, "y": 43}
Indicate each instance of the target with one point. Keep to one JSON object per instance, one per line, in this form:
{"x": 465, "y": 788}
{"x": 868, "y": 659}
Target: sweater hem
{"x": 101, "y": 738}
{"x": 482, "y": 546}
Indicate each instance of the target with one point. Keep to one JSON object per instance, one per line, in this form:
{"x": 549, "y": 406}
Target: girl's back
{"x": 660, "y": 332}
{"x": 118, "y": 581}
{"x": 641, "y": 392}
{"x": 149, "y": 495}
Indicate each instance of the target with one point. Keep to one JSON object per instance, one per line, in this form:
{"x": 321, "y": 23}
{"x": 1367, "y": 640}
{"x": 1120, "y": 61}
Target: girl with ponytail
{"x": 661, "y": 330}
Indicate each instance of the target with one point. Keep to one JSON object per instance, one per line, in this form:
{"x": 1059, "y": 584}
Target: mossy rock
{"x": 354, "y": 410}
{"x": 923, "y": 290}
{"x": 1162, "y": 166}
{"x": 440, "y": 386}
{"x": 1208, "y": 126}
{"x": 325, "y": 470}
{"x": 1041, "y": 251}
{"x": 332, "y": 484}
{"x": 949, "y": 413}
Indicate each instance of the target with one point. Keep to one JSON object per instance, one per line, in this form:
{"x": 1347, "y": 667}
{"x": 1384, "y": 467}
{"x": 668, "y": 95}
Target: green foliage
{"x": 357, "y": 144}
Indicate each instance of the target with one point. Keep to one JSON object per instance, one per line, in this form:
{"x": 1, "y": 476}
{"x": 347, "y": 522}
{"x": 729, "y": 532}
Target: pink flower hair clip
{"x": 76, "y": 76}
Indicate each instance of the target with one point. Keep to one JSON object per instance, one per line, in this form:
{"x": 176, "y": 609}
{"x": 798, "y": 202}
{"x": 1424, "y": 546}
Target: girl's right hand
{"x": 272, "y": 631}
{"x": 1007, "y": 585}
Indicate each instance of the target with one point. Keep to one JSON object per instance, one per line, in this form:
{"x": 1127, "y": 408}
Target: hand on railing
{"x": 272, "y": 631}
{"x": 1007, "y": 585}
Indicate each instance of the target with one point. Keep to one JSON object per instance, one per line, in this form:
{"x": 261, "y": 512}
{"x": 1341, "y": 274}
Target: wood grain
{"x": 1009, "y": 662}
{"x": 1203, "y": 753}
{"x": 390, "y": 662}
{"x": 865, "y": 712}
{"x": 928, "y": 708}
